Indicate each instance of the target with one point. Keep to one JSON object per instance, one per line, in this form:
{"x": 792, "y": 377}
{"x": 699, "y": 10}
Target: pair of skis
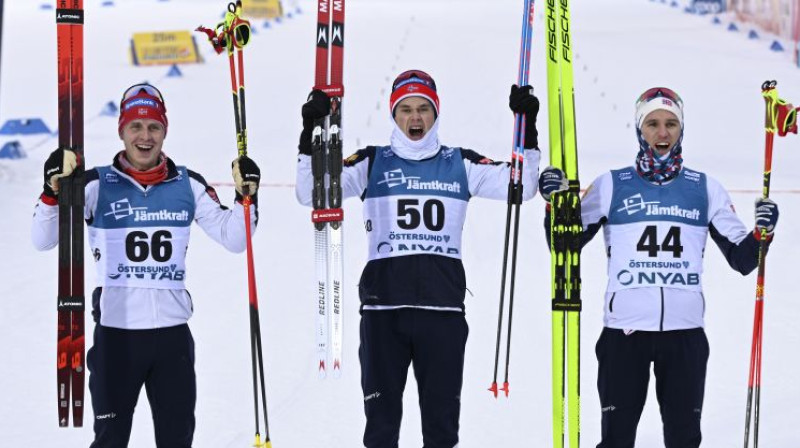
{"x": 233, "y": 34}
{"x": 565, "y": 226}
{"x": 780, "y": 118}
{"x": 70, "y": 362}
{"x": 514, "y": 200}
{"x": 326, "y": 167}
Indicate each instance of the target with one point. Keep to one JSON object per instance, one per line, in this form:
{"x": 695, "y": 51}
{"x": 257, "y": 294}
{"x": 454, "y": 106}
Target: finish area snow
{"x": 471, "y": 48}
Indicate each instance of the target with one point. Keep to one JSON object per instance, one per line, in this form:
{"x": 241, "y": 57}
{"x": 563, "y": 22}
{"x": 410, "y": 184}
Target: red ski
{"x": 70, "y": 357}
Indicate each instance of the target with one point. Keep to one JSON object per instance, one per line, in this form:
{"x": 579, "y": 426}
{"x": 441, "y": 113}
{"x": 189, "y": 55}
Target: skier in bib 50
{"x": 139, "y": 210}
{"x": 415, "y": 193}
{"x": 656, "y": 217}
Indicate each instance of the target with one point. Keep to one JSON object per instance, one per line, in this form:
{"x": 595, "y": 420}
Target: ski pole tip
{"x": 257, "y": 443}
{"x": 493, "y": 389}
{"x": 505, "y": 388}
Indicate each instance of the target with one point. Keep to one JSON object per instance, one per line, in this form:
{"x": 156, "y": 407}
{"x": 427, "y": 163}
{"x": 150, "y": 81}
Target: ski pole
{"x": 234, "y": 34}
{"x": 780, "y": 118}
{"x": 514, "y": 200}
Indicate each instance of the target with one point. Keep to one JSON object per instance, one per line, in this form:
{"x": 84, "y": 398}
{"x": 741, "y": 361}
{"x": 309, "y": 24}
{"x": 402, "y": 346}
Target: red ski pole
{"x": 781, "y": 117}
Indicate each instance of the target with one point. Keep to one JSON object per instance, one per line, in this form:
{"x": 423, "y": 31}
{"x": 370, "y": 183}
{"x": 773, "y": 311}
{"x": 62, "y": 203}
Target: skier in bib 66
{"x": 656, "y": 217}
{"x": 139, "y": 211}
{"x": 415, "y": 193}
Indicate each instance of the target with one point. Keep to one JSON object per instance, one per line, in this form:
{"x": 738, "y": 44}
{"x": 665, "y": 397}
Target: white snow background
{"x": 471, "y": 48}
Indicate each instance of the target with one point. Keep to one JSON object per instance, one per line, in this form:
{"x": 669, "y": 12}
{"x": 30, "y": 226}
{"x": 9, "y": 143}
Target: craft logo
{"x": 625, "y": 175}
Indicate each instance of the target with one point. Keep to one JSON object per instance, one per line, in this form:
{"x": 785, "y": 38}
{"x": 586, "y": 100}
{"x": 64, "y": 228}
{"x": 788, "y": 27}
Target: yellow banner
{"x": 164, "y": 48}
{"x": 262, "y": 9}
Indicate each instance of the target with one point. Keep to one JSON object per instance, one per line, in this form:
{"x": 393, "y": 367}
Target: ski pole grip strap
{"x": 569, "y": 305}
{"x": 327, "y": 215}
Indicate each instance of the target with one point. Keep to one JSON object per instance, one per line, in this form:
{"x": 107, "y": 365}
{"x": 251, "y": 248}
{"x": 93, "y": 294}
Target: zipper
{"x": 611, "y": 303}
{"x": 661, "y": 324}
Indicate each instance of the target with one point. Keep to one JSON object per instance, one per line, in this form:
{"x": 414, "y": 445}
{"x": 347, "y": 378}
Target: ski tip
{"x": 337, "y": 369}
{"x": 505, "y": 388}
{"x": 493, "y": 389}
{"x": 321, "y": 370}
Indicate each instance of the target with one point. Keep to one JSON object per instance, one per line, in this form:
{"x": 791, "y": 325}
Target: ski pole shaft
{"x": 752, "y": 410}
{"x": 514, "y": 201}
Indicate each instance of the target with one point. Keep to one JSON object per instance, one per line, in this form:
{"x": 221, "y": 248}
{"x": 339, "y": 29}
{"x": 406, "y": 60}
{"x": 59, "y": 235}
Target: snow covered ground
{"x": 470, "y": 47}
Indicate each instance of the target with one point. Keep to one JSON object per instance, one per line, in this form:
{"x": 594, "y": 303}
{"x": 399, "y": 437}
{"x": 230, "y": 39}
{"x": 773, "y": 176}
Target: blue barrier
{"x": 12, "y": 150}
{"x": 26, "y": 126}
{"x": 752, "y": 34}
{"x": 776, "y": 46}
{"x": 174, "y": 72}
{"x": 110, "y": 110}
{"x": 733, "y": 27}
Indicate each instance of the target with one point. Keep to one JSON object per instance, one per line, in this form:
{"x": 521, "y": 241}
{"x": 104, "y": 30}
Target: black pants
{"x": 434, "y": 341}
{"x": 679, "y": 360}
{"x": 121, "y": 362}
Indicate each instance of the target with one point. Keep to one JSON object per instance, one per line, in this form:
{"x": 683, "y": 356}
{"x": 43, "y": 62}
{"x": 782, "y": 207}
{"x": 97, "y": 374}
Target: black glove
{"x": 59, "y": 164}
{"x": 521, "y": 100}
{"x": 245, "y": 174}
{"x": 552, "y": 180}
{"x": 317, "y": 106}
{"x": 766, "y": 215}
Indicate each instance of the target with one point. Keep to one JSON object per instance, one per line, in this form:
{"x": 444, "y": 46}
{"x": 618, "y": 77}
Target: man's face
{"x": 661, "y": 129}
{"x": 143, "y": 140}
{"x": 414, "y": 116}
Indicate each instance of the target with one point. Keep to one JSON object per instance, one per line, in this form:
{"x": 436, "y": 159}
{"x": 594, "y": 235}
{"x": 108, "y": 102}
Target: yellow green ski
{"x": 565, "y": 227}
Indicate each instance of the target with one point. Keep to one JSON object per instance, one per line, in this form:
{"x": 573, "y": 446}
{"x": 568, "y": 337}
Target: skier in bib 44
{"x": 415, "y": 193}
{"x": 656, "y": 217}
{"x": 139, "y": 210}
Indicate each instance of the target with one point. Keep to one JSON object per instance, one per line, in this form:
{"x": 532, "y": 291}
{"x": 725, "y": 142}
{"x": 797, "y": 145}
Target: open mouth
{"x": 662, "y": 146}
{"x": 144, "y": 148}
{"x": 416, "y": 132}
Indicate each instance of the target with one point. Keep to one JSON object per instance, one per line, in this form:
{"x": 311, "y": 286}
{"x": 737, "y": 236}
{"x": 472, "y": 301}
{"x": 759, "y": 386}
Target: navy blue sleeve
{"x": 742, "y": 257}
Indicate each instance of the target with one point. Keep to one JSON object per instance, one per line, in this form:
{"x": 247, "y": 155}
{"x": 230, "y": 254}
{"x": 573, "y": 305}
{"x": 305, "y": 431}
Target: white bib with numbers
{"x": 138, "y": 236}
{"x": 656, "y": 234}
{"x": 416, "y": 207}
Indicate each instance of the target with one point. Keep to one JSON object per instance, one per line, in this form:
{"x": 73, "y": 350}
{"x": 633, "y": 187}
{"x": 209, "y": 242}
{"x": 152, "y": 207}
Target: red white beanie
{"x": 658, "y": 98}
{"x": 413, "y": 83}
{"x": 142, "y": 105}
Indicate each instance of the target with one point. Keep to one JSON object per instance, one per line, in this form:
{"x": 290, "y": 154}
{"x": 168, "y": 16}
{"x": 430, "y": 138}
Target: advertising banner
{"x": 164, "y": 48}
